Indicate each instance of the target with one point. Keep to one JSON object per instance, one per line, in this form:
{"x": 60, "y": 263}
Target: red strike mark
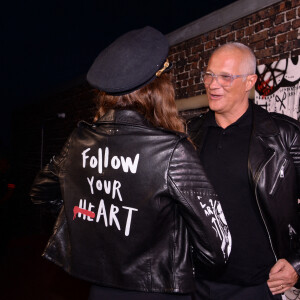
{"x": 88, "y": 213}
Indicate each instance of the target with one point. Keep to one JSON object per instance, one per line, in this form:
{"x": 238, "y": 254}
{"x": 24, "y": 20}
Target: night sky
{"x": 45, "y": 44}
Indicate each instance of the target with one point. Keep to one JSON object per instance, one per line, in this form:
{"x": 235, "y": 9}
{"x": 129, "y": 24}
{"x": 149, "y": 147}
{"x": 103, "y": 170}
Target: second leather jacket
{"x": 274, "y": 173}
{"x": 135, "y": 198}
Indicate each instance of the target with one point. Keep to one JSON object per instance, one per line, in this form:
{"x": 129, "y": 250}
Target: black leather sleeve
{"x": 199, "y": 205}
{"x": 46, "y": 187}
{"x": 295, "y": 153}
{"x": 294, "y": 259}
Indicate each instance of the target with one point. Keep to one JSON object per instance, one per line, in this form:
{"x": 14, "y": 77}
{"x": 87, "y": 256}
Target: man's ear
{"x": 250, "y": 81}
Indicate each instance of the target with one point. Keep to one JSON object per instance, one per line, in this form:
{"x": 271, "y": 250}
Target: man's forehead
{"x": 224, "y": 58}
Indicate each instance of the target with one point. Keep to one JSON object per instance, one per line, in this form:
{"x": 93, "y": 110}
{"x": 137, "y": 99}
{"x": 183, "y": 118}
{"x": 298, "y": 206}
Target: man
{"x": 253, "y": 159}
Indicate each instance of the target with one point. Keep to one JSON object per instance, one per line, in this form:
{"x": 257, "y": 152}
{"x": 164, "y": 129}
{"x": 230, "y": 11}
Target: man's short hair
{"x": 250, "y": 63}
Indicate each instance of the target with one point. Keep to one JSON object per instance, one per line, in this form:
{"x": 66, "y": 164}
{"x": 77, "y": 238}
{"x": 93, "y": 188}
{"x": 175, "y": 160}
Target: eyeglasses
{"x": 224, "y": 80}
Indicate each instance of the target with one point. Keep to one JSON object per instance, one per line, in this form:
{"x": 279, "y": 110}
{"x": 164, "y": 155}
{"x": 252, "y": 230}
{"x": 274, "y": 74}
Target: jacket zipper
{"x": 279, "y": 175}
{"x": 291, "y": 233}
{"x": 255, "y": 189}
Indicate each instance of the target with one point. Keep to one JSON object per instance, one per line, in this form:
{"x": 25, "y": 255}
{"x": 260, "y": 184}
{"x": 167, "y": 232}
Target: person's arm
{"x": 199, "y": 205}
{"x": 46, "y": 187}
{"x": 285, "y": 273}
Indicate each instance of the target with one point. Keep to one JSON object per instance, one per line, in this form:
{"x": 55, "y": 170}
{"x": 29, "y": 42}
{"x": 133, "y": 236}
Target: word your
{"x": 109, "y": 218}
{"x": 103, "y": 161}
{"x": 113, "y": 188}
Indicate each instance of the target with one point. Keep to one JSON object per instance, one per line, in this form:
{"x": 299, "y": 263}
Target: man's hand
{"x": 282, "y": 277}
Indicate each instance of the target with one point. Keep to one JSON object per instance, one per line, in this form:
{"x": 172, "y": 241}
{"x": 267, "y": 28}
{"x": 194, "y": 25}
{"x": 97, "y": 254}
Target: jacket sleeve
{"x": 294, "y": 259}
{"x": 46, "y": 187}
{"x": 199, "y": 206}
{"x": 295, "y": 153}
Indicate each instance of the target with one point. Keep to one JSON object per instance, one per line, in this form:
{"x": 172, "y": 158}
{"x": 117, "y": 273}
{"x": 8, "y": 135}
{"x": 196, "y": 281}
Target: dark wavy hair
{"x": 155, "y": 101}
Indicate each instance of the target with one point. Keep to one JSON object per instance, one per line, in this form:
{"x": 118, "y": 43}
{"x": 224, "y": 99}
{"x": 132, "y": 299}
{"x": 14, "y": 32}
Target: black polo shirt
{"x": 225, "y": 158}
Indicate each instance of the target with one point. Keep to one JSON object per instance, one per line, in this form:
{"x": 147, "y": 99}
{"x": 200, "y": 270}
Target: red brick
{"x": 197, "y": 49}
{"x": 181, "y": 63}
{"x": 266, "y": 61}
{"x": 284, "y": 5}
{"x": 204, "y": 38}
{"x": 262, "y": 14}
{"x": 279, "y": 19}
{"x": 188, "y": 52}
{"x": 241, "y": 23}
{"x": 253, "y": 18}
{"x": 292, "y": 35}
{"x": 282, "y": 48}
{"x": 271, "y": 11}
{"x": 194, "y": 65}
{"x": 175, "y": 57}
{"x": 258, "y": 45}
{"x": 191, "y": 90}
{"x": 249, "y": 30}
{"x": 291, "y": 14}
{"x": 181, "y": 46}
{"x": 258, "y": 36}
{"x": 270, "y": 42}
{"x": 183, "y": 76}
{"x": 218, "y": 32}
{"x": 195, "y": 73}
{"x": 245, "y": 40}
{"x": 268, "y": 23}
{"x": 211, "y": 35}
{"x": 296, "y": 44}
{"x": 264, "y": 53}
{"x": 281, "y": 38}
{"x": 208, "y": 45}
{"x": 230, "y": 37}
{"x": 298, "y": 12}
{"x": 184, "y": 82}
{"x": 193, "y": 42}
{"x": 171, "y": 57}
{"x": 226, "y": 29}
{"x": 284, "y": 55}
{"x": 296, "y": 24}
{"x": 191, "y": 81}
{"x": 295, "y": 3}
{"x": 215, "y": 43}
{"x": 258, "y": 27}
{"x": 197, "y": 80}
{"x": 178, "y": 70}
{"x": 280, "y": 29}
{"x": 193, "y": 58}
{"x": 240, "y": 34}
{"x": 187, "y": 68}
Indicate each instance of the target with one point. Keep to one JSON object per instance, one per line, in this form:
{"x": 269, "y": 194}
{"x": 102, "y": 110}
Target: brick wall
{"x": 273, "y": 33}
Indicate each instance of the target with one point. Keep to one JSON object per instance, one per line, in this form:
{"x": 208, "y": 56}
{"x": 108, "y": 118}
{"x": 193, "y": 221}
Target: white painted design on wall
{"x": 278, "y": 87}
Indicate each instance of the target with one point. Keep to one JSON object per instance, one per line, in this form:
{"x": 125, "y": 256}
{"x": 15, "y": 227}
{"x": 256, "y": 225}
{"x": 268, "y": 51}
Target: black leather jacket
{"x": 274, "y": 172}
{"x": 135, "y": 198}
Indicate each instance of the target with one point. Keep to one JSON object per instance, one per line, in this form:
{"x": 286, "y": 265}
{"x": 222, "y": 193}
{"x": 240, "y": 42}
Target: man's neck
{"x": 226, "y": 119}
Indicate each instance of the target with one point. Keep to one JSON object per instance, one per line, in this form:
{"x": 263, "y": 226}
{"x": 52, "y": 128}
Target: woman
{"x": 135, "y": 196}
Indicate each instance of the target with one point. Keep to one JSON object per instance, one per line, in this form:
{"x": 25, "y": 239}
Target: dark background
{"x": 45, "y": 44}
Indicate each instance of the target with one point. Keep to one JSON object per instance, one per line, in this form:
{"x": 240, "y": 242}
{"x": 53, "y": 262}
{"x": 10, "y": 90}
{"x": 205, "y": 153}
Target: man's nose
{"x": 214, "y": 84}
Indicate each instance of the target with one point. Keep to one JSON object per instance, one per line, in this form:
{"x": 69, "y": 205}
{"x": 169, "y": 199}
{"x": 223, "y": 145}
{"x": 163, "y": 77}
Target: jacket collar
{"x": 124, "y": 116}
{"x": 263, "y": 123}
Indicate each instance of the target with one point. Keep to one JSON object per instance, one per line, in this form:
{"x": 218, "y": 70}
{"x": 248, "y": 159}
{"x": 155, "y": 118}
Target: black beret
{"x": 130, "y": 62}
